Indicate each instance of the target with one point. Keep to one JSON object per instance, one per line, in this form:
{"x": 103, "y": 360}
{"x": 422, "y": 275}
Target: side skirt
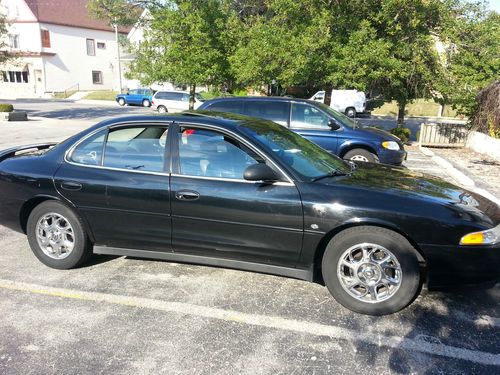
{"x": 295, "y": 273}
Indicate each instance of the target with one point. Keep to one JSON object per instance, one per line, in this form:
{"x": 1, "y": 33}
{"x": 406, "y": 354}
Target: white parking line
{"x": 275, "y": 322}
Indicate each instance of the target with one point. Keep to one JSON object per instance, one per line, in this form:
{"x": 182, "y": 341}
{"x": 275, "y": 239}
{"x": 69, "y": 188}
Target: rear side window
{"x": 268, "y": 110}
{"x": 89, "y": 152}
{"x": 137, "y": 148}
{"x": 233, "y": 106}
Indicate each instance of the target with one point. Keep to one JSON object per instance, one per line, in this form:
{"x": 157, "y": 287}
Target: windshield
{"x": 198, "y": 96}
{"x": 306, "y": 159}
{"x": 343, "y": 119}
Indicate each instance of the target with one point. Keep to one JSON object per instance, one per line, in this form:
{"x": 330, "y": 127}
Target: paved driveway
{"x": 131, "y": 316}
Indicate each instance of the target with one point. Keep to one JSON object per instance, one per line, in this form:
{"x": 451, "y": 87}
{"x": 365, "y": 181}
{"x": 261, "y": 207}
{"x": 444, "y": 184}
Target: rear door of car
{"x": 274, "y": 110}
{"x": 120, "y": 183}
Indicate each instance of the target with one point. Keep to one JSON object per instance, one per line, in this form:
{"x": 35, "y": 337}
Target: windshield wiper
{"x": 334, "y": 173}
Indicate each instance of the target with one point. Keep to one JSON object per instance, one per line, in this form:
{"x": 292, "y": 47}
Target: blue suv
{"x": 135, "y": 97}
{"x": 321, "y": 124}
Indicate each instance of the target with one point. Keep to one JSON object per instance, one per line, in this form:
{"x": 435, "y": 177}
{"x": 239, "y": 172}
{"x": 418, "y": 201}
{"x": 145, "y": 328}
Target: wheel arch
{"x": 351, "y": 146}
{"x": 323, "y": 243}
{"x": 30, "y": 205}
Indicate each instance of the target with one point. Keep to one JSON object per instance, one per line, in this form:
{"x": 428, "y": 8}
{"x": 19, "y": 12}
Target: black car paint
{"x": 274, "y": 228}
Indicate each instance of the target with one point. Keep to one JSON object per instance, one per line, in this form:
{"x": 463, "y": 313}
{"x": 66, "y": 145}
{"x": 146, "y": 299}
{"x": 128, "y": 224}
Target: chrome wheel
{"x": 162, "y": 109}
{"x": 359, "y": 158}
{"x": 369, "y": 272}
{"x": 55, "y": 236}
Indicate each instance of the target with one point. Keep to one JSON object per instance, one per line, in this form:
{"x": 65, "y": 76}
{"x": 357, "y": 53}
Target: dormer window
{"x": 45, "y": 38}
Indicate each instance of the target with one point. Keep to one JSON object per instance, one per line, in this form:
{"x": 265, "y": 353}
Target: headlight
{"x": 391, "y": 145}
{"x": 485, "y": 237}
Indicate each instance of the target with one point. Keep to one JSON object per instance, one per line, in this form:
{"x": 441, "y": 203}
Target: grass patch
{"x": 102, "y": 95}
{"x": 64, "y": 95}
{"x": 419, "y": 107}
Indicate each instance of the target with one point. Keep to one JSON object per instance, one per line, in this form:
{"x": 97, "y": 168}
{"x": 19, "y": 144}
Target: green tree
{"x": 473, "y": 56}
{"x": 4, "y": 55}
{"x": 121, "y": 12}
{"x": 184, "y": 44}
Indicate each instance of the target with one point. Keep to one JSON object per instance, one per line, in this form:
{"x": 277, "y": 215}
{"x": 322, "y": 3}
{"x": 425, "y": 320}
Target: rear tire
{"x": 350, "y": 112}
{"x": 162, "y": 109}
{"x": 146, "y": 103}
{"x": 360, "y": 154}
{"x": 371, "y": 270}
{"x": 56, "y": 236}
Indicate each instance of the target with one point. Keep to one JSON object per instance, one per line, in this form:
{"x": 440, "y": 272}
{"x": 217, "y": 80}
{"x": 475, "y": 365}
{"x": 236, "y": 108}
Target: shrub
{"x": 402, "y": 133}
{"x": 6, "y": 107}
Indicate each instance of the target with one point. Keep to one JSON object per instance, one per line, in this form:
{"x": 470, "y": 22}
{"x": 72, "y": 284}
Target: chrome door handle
{"x": 71, "y": 185}
{"x": 187, "y": 195}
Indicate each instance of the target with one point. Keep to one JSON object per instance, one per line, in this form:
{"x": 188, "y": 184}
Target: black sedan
{"x": 231, "y": 191}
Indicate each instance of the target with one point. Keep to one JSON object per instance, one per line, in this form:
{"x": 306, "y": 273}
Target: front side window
{"x": 91, "y": 47}
{"x": 89, "y": 152}
{"x": 306, "y": 116}
{"x": 305, "y": 158}
{"x": 207, "y": 153}
{"x": 136, "y": 148}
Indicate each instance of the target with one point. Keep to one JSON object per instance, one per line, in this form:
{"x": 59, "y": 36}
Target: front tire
{"x": 371, "y": 270}
{"x": 360, "y": 154}
{"x": 122, "y": 102}
{"x": 162, "y": 109}
{"x": 56, "y": 236}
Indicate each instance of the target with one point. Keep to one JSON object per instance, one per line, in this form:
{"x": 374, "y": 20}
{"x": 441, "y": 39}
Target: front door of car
{"x": 120, "y": 184}
{"x": 216, "y": 213}
{"x": 133, "y": 97}
{"x": 313, "y": 124}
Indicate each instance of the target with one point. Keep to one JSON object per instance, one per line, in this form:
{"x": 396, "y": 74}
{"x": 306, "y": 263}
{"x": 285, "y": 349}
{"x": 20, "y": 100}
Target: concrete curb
{"x": 458, "y": 176}
{"x": 110, "y": 103}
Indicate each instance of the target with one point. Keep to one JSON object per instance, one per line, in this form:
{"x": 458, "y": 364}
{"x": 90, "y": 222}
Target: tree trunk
{"x": 192, "y": 90}
{"x": 328, "y": 94}
{"x": 401, "y": 114}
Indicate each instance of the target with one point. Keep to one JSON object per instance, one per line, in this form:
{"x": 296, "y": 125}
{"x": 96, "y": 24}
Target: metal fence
{"x": 443, "y": 135}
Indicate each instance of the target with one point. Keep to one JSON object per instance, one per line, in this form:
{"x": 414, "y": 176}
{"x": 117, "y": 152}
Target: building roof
{"x": 68, "y": 13}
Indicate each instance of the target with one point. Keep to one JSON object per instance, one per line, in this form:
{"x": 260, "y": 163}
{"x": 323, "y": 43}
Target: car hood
{"x": 381, "y": 133}
{"x": 401, "y": 181}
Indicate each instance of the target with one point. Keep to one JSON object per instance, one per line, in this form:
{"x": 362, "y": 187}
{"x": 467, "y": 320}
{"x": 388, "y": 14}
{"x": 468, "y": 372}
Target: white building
{"x": 58, "y": 47}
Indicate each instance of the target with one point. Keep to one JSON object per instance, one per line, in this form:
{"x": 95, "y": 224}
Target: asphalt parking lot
{"x": 123, "y": 315}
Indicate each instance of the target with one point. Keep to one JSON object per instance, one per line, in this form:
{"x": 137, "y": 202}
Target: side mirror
{"x": 333, "y": 124}
{"x": 260, "y": 172}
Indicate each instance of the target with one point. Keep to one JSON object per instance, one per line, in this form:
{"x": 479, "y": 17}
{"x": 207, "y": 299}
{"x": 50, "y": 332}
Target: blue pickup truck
{"x": 319, "y": 123}
{"x": 135, "y": 97}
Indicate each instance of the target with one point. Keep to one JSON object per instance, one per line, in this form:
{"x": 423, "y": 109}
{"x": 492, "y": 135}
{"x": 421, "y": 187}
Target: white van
{"x": 173, "y": 101}
{"x": 349, "y": 102}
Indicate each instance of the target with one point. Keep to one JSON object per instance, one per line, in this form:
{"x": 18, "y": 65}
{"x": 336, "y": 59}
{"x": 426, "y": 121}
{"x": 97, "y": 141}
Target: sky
{"x": 495, "y": 5}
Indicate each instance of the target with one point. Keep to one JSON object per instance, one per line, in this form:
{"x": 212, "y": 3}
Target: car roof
{"x": 259, "y": 98}
{"x": 229, "y": 121}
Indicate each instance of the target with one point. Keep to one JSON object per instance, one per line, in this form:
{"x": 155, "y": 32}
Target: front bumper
{"x": 449, "y": 266}
{"x": 392, "y": 157}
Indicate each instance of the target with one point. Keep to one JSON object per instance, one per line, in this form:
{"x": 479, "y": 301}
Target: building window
{"x": 14, "y": 41}
{"x": 15, "y": 76}
{"x": 45, "y": 38}
{"x": 96, "y": 77}
{"x": 91, "y": 47}
{"x": 101, "y": 45}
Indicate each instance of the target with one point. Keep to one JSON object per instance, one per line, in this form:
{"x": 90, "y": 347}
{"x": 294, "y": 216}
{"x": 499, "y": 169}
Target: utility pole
{"x": 118, "y": 55}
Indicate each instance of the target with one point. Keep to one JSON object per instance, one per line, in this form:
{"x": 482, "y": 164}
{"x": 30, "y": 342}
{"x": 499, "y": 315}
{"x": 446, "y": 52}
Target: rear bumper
{"x": 449, "y": 266}
{"x": 392, "y": 157}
